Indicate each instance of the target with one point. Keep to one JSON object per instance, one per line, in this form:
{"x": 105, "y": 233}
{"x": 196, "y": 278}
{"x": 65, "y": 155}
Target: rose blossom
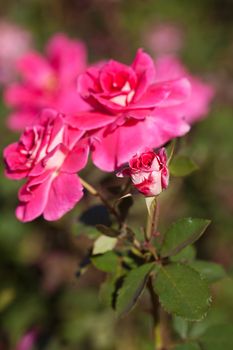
{"x": 49, "y": 155}
{"x": 116, "y": 87}
{"x": 132, "y": 109}
{"x": 148, "y": 172}
{"x": 47, "y": 81}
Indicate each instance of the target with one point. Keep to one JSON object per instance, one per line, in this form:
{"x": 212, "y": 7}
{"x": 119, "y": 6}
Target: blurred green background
{"x": 39, "y": 289}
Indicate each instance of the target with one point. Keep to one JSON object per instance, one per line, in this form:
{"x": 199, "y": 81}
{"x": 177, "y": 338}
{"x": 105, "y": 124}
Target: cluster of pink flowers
{"x": 111, "y": 109}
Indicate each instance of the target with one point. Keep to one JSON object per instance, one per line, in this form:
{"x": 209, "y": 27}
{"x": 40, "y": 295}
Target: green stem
{"x": 152, "y": 223}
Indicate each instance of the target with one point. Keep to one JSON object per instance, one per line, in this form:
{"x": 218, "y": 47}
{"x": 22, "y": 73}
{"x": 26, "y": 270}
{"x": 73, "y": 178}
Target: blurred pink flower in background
{"x": 164, "y": 38}
{"x": 14, "y": 42}
{"x": 197, "y": 105}
{"x": 47, "y": 81}
{"x": 27, "y": 341}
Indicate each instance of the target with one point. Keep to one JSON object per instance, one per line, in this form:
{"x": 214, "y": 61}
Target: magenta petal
{"x": 67, "y": 56}
{"x": 90, "y": 120}
{"x": 37, "y": 197}
{"x": 116, "y": 148}
{"x": 65, "y": 192}
{"x": 17, "y": 121}
{"x": 20, "y": 95}
{"x": 87, "y": 81}
{"x": 69, "y": 101}
{"x": 197, "y": 106}
{"x": 165, "y": 94}
{"x": 14, "y": 168}
{"x": 35, "y": 69}
{"x": 142, "y": 63}
{"x": 77, "y": 158}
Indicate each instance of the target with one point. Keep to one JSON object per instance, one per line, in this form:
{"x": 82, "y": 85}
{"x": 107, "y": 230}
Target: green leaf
{"x": 212, "y": 272}
{"x": 218, "y": 337}
{"x": 187, "y": 254}
{"x": 106, "y": 262}
{"x": 182, "y": 166}
{"x": 104, "y": 244}
{"x": 182, "y": 233}
{"x": 107, "y": 290}
{"x": 181, "y": 326}
{"x": 107, "y": 231}
{"x": 188, "y": 346}
{"x": 132, "y": 288}
{"x": 182, "y": 292}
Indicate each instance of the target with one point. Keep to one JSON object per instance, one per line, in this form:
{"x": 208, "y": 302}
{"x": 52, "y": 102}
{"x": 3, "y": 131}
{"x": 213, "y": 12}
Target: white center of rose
{"x": 56, "y": 160}
{"x": 124, "y": 99}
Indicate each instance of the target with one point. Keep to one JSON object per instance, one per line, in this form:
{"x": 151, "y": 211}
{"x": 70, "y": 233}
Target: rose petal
{"x": 65, "y": 192}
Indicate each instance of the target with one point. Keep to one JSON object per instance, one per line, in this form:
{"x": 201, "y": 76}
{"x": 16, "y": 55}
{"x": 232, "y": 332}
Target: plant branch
{"x": 96, "y": 193}
{"x": 152, "y": 223}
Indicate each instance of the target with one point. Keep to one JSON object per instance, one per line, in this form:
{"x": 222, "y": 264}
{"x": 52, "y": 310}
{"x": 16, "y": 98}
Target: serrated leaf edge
{"x": 179, "y": 315}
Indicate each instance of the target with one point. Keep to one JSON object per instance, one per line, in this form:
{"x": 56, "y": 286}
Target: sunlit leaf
{"x": 182, "y": 292}
{"x": 182, "y": 233}
{"x": 103, "y": 244}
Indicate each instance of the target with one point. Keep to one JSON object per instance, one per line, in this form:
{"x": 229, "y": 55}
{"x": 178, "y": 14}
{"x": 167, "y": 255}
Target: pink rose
{"x": 116, "y": 87}
{"x": 49, "y": 156}
{"x": 47, "y": 82}
{"x": 132, "y": 109}
{"x": 148, "y": 172}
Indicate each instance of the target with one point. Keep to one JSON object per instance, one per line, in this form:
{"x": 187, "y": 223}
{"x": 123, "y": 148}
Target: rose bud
{"x": 148, "y": 171}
